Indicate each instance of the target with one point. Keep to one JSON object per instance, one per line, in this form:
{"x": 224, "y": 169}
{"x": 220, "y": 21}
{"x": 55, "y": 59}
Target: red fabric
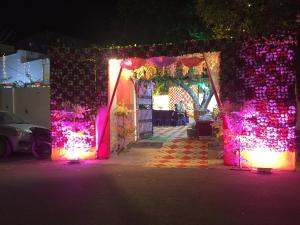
{"x": 191, "y": 61}
{"x": 133, "y": 63}
{"x": 103, "y": 145}
{"x": 124, "y": 93}
{"x": 161, "y": 61}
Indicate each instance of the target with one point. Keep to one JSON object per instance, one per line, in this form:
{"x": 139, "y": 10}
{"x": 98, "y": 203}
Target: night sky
{"x": 76, "y": 19}
{"x": 102, "y": 22}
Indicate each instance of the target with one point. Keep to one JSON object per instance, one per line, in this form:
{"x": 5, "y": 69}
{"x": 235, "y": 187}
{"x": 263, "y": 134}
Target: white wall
{"x": 161, "y": 102}
{"x": 114, "y": 68}
{"x": 212, "y": 104}
{"x": 31, "y": 104}
{"x": 7, "y": 99}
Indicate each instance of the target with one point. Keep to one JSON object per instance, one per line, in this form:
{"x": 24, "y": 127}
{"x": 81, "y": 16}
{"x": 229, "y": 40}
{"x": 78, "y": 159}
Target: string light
{"x": 4, "y": 67}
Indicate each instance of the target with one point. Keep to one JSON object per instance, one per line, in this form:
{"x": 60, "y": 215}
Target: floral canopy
{"x": 161, "y": 61}
{"x": 146, "y": 69}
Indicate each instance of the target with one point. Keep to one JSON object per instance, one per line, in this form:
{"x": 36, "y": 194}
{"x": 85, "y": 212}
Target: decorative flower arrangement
{"x": 217, "y": 123}
{"x": 218, "y": 128}
{"x": 216, "y": 114}
{"x": 122, "y": 110}
{"x": 146, "y": 72}
{"x": 124, "y": 126}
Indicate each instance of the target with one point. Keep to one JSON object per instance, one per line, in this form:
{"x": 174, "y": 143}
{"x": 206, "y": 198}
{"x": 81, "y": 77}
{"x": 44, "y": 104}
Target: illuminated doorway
{"x": 145, "y": 89}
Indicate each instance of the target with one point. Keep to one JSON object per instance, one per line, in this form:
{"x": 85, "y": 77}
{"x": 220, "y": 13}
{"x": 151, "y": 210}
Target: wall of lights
{"x": 76, "y": 94}
{"x": 259, "y": 132}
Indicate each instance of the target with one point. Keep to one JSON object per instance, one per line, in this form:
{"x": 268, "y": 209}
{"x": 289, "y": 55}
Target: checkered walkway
{"x": 181, "y": 153}
{"x": 168, "y": 133}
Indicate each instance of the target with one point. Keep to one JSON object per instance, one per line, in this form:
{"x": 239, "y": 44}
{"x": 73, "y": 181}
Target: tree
{"x": 190, "y": 92}
{"x": 165, "y": 80}
{"x": 152, "y": 22}
{"x": 237, "y": 18}
{"x": 208, "y": 93}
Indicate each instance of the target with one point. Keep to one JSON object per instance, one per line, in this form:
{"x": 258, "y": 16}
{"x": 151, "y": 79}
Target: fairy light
{"x": 27, "y": 72}
{"x": 4, "y": 67}
{"x": 24, "y": 68}
{"x": 19, "y": 62}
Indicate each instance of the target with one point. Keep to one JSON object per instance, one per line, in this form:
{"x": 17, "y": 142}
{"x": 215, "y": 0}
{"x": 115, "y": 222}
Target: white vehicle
{"x": 17, "y": 135}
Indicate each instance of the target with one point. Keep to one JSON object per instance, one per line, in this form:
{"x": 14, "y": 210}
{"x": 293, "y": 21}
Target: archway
{"x": 132, "y": 84}
{"x": 260, "y": 117}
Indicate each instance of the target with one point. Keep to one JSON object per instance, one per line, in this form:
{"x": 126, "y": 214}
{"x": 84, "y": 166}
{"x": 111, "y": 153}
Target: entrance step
{"x": 146, "y": 144}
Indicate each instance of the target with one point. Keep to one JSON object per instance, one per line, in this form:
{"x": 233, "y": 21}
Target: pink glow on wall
{"x": 262, "y": 132}
{"x": 103, "y": 148}
{"x": 73, "y": 139}
{"x": 77, "y": 144}
{"x": 77, "y": 78}
{"x": 103, "y": 116}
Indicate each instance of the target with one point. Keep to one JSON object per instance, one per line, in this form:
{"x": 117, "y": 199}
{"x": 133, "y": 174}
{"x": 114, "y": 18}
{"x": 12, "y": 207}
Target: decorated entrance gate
{"x": 257, "y": 84}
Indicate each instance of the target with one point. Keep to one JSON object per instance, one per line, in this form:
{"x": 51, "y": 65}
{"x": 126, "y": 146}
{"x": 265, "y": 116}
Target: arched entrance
{"x": 257, "y": 82}
{"x": 144, "y": 93}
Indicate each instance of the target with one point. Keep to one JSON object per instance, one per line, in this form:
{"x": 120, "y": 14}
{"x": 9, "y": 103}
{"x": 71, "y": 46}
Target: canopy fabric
{"x": 191, "y": 61}
{"x": 161, "y": 61}
{"x": 133, "y": 63}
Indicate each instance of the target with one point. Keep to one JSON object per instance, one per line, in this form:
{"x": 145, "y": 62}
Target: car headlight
{"x": 23, "y": 132}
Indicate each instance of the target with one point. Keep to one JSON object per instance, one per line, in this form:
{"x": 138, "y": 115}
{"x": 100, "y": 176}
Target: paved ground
{"x": 121, "y": 191}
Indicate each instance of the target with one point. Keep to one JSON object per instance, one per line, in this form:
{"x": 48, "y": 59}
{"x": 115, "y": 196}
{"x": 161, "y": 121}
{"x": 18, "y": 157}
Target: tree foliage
{"x": 163, "y": 81}
{"x": 236, "y": 18}
{"x": 152, "y": 21}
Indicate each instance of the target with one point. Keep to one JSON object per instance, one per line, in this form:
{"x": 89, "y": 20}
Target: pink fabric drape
{"x": 133, "y": 63}
{"x": 161, "y": 61}
{"x": 191, "y": 61}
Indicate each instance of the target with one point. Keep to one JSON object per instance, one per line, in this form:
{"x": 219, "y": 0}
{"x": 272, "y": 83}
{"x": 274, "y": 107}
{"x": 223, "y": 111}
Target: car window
{"x": 6, "y": 118}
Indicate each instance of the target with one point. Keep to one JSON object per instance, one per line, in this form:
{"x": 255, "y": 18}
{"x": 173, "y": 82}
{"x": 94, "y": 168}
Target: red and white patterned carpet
{"x": 179, "y": 152}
